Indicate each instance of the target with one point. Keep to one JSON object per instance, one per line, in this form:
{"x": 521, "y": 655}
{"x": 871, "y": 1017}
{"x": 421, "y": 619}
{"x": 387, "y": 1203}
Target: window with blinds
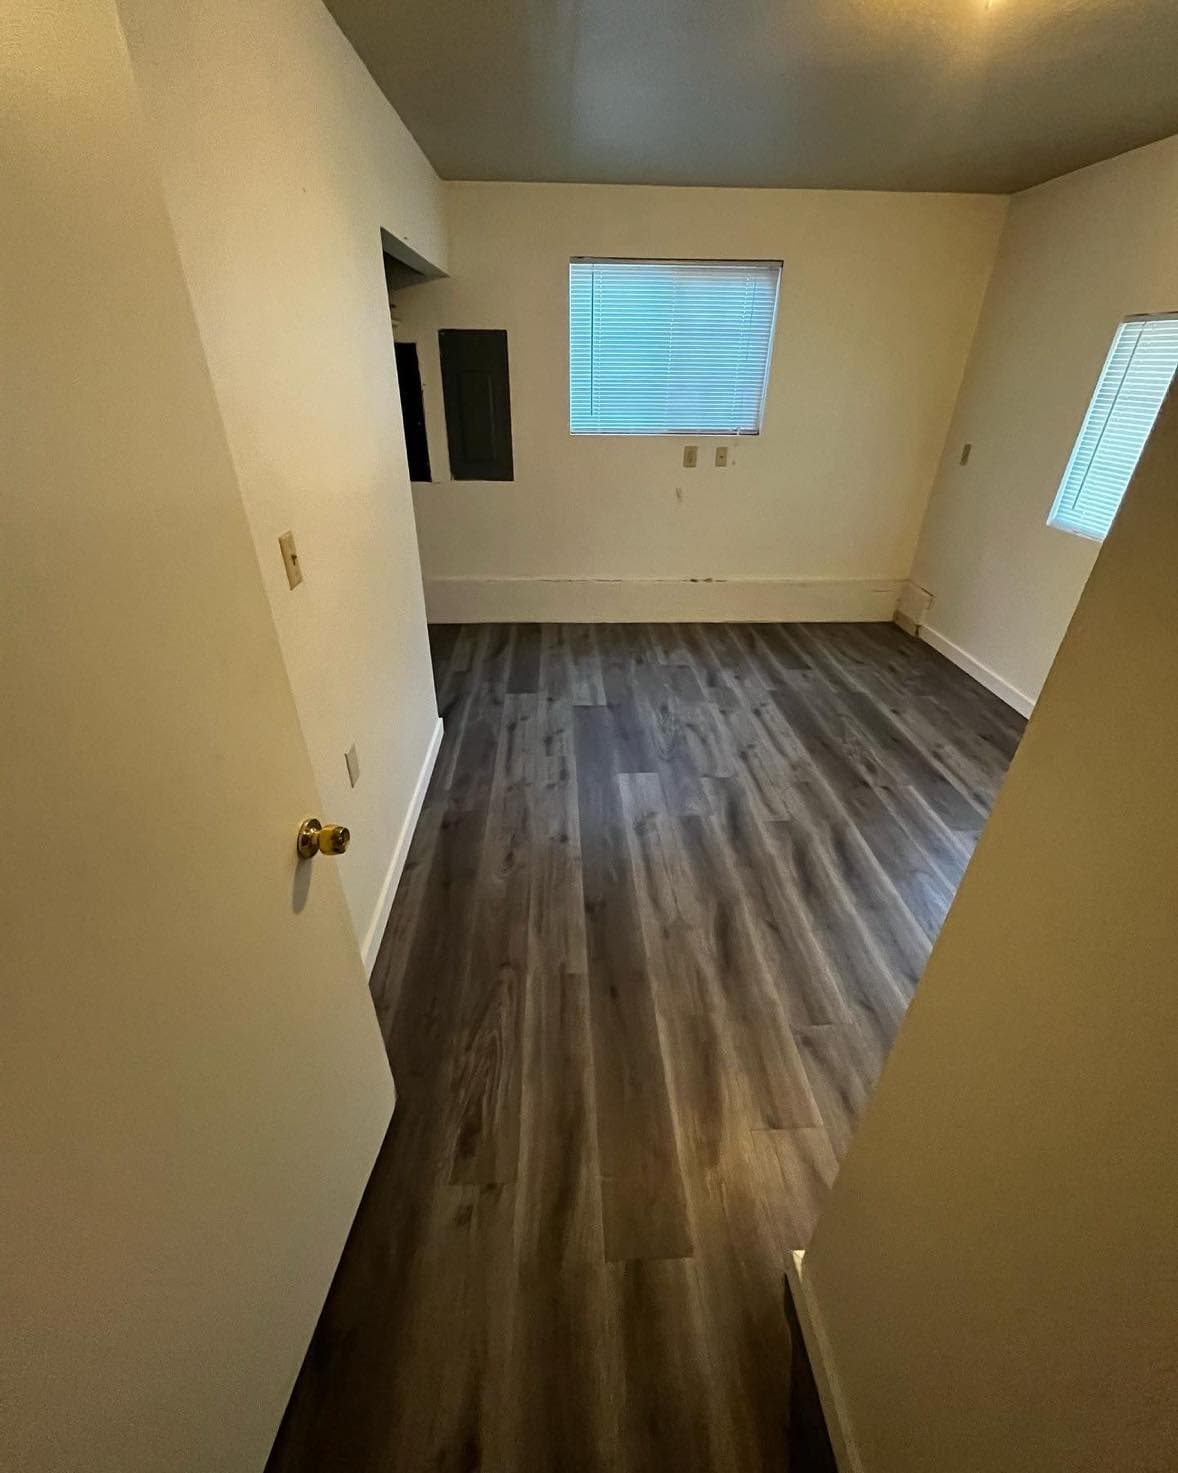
{"x": 670, "y": 347}
{"x": 1129, "y": 393}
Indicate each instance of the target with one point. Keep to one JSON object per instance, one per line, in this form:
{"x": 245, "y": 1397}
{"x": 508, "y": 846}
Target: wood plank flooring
{"x": 668, "y": 899}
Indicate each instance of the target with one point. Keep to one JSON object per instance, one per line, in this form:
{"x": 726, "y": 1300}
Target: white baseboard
{"x": 834, "y": 1408}
{"x": 1014, "y": 698}
{"x": 912, "y": 607}
{"x": 659, "y": 600}
{"x": 375, "y": 933}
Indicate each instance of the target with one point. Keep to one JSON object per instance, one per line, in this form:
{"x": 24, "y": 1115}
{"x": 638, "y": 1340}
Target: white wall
{"x": 1077, "y": 256}
{"x": 995, "y": 1268}
{"x": 192, "y": 1083}
{"x": 879, "y": 299}
{"x": 281, "y": 162}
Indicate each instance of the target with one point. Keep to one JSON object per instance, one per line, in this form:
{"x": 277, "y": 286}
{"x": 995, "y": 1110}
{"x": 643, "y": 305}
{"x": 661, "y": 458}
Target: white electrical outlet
{"x": 721, "y": 455}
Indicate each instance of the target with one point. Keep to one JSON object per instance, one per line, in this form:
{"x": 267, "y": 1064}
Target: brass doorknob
{"x": 320, "y": 838}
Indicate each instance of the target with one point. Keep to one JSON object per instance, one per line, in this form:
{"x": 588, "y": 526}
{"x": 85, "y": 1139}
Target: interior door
{"x": 192, "y": 1083}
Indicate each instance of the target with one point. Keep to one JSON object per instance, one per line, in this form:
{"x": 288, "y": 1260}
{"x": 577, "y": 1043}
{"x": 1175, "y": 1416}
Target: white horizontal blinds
{"x": 669, "y": 347}
{"x": 1132, "y": 385}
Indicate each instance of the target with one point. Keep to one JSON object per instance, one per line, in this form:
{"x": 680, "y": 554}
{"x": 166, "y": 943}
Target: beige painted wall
{"x": 1078, "y": 255}
{"x": 192, "y": 1083}
{"x": 995, "y": 1268}
{"x": 879, "y": 299}
{"x": 281, "y": 162}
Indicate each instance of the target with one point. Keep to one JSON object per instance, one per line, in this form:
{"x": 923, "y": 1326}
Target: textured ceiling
{"x": 989, "y": 95}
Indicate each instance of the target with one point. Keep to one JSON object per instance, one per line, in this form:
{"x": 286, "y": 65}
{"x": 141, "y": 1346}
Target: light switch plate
{"x": 690, "y": 456}
{"x": 721, "y": 454}
{"x": 353, "y": 764}
{"x": 290, "y": 559}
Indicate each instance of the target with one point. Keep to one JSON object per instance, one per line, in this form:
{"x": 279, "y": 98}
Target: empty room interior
{"x": 590, "y": 650}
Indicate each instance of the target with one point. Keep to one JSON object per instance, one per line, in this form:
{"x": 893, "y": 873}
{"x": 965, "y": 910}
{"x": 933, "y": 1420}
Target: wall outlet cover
{"x": 690, "y": 456}
{"x": 290, "y": 559}
{"x": 353, "y": 764}
{"x": 721, "y": 454}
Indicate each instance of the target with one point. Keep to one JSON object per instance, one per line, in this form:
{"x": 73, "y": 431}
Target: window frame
{"x": 676, "y": 434}
{"x": 1055, "y": 516}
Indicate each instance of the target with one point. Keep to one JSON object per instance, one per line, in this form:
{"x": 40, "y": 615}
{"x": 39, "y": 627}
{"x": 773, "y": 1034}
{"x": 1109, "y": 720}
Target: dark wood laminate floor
{"x": 668, "y": 899}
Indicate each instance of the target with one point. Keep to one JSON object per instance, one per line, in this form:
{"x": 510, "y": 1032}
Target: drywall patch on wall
{"x": 659, "y": 600}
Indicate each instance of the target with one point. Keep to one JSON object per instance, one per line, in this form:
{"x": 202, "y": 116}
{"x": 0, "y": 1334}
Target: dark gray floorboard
{"x": 664, "y": 910}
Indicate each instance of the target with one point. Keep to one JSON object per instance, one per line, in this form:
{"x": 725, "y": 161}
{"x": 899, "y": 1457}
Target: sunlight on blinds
{"x": 670, "y": 347}
{"x": 1129, "y": 393}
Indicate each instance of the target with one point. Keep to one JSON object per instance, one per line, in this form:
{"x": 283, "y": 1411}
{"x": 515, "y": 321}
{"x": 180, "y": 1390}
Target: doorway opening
{"x": 404, "y": 268}
{"x": 413, "y": 411}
